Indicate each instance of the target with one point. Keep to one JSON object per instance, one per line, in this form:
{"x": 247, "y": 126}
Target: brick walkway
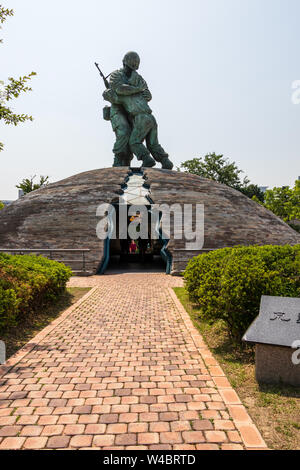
{"x": 123, "y": 369}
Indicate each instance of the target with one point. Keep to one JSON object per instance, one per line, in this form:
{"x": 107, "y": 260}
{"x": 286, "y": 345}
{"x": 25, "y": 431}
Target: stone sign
{"x": 278, "y": 322}
{"x": 276, "y": 333}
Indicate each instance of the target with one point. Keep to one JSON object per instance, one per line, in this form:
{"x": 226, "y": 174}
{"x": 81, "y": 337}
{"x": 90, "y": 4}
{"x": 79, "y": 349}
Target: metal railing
{"x": 51, "y": 252}
{"x": 200, "y": 249}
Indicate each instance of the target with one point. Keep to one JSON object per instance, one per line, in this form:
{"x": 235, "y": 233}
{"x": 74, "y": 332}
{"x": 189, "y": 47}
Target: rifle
{"x": 103, "y": 76}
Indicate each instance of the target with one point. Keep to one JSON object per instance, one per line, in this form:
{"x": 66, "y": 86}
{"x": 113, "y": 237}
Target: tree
{"x": 284, "y": 201}
{"x": 217, "y": 168}
{"x": 253, "y": 192}
{"x": 1, "y": 205}
{"x": 12, "y": 89}
{"x": 27, "y": 185}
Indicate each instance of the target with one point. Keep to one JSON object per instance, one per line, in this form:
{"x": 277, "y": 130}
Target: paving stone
{"x": 73, "y": 429}
{"x": 148, "y": 438}
{"x": 31, "y": 431}
{"x": 104, "y": 440}
{"x": 9, "y": 431}
{"x": 193, "y": 436}
{"x": 126, "y": 439}
{"x": 170, "y": 437}
{"x": 160, "y": 427}
{"x": 138, "y": 427}
{"x": 95, "y": 429}
{"x": 81, "y": 441}
{"x": 12, "y": 443}
{"x": 215, "y": 436}
{"x": 58, "y": 442}
{"x": 35, "y": 443}
{"x": 120, "y": 428}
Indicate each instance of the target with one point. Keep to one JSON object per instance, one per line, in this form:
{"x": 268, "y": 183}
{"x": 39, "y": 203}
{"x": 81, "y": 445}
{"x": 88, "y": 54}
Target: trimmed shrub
{"x": 228, "y": 283}
{"x": 28, "y": 283}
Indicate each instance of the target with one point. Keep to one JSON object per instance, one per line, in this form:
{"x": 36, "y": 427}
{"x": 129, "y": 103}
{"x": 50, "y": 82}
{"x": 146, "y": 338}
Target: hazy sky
{"x": 220, "y": 72}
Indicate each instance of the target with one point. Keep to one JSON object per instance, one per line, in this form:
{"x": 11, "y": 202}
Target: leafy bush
{"x": 295, "y": 226}
{"x": 28, "y": 283}
{"x": 228, "y": 283}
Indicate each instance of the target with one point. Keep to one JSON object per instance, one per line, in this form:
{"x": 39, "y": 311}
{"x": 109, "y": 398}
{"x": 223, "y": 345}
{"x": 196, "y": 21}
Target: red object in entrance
{"x": 132, "y": 247}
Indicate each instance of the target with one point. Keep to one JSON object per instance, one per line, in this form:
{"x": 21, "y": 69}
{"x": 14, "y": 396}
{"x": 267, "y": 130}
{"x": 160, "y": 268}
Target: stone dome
{"x": 62, "y": 215}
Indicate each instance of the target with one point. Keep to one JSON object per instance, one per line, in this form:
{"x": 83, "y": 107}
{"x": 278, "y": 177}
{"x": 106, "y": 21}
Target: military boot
{"x": 122, "y": 159}
{"x": 148, "y": 161}
{"x": 117, "y": 161}
{"x": 166, "y": 164}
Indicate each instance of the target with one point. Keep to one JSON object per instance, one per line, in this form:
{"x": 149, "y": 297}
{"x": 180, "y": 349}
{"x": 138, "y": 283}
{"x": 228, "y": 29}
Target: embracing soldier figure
{"x": 131, "y": 117}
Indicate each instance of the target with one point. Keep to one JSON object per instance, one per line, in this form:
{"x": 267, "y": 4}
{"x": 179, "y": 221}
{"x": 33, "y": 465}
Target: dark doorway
{"x": 139, "y": 255}
{"x": 136, "y": 258}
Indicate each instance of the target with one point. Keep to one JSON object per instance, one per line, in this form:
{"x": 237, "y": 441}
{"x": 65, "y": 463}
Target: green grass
{"x": 274, "y": 408}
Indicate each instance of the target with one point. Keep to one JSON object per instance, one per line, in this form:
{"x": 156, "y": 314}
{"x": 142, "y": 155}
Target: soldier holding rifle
{"x": 131, "y": 116}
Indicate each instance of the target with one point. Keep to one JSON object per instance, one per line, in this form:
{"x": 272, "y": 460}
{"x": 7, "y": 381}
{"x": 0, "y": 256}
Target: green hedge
{"x": 28, "y": 283}
{"x": 228, "y": 283}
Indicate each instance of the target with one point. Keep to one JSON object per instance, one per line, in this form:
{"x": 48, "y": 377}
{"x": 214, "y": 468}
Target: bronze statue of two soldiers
{"x": 131, "y": 117}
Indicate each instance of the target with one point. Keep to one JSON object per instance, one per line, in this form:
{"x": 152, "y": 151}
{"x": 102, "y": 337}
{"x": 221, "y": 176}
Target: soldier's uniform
{"x": 133, "y": 95}
{"x": 122, "y": 129}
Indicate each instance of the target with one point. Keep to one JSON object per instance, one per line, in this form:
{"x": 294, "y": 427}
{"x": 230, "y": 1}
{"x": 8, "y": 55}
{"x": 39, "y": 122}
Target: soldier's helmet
{"x": 132, "y": 60}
